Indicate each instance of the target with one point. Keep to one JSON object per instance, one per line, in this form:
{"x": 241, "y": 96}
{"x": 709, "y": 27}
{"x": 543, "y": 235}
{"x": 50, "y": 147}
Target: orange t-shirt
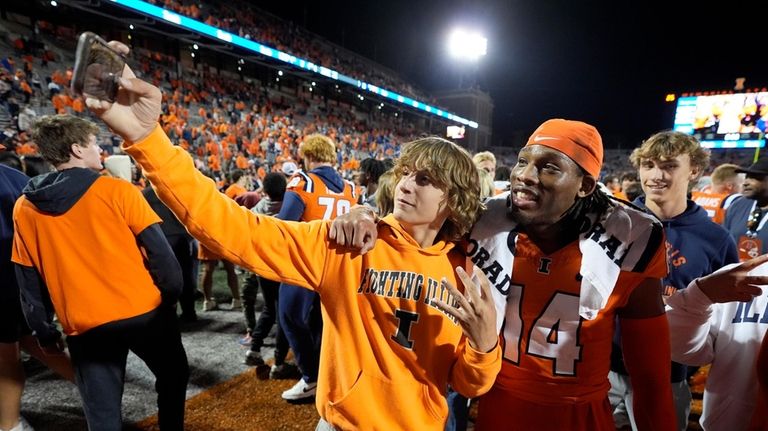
{"x": 234, "y": 191}
{"x": 241, "y": 162}
{"x": 77, "y": 105}
{"x": 88, "y": 256}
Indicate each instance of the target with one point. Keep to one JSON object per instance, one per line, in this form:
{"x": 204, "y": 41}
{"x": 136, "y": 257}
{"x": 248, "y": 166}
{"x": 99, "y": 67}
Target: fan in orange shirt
{"x": 241, "y": 161}
{"x": 90, "y": 248}
{"x": 240, "y": 181}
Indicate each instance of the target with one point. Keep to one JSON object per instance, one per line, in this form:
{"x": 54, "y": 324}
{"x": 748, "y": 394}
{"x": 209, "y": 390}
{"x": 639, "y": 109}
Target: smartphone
{"x": 97, "y": 68}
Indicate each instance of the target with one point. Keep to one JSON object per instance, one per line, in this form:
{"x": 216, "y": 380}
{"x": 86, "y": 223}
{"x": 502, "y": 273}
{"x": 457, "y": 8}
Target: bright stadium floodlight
{"x": 465, "y": 45}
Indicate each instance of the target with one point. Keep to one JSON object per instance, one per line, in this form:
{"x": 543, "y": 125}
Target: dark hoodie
{"x": 696, "y": 246}
{"x": 57, "y": 192}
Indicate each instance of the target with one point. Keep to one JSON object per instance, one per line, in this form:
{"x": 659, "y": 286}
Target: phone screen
{"x": 97, "y": 68}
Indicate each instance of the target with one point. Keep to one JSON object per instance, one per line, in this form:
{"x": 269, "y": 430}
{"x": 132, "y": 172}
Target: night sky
{"x": 609, "y": 63}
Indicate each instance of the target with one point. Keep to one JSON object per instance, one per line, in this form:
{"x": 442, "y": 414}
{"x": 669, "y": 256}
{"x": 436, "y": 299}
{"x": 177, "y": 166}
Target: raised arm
{"x": 290, "y": 252}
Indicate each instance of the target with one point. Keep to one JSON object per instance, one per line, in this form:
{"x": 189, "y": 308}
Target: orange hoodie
{"x": 387, "y": 354}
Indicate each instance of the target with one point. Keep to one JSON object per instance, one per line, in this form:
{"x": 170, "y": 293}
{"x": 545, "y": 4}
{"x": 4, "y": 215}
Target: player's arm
{"x": 692, "y": 322}
{"x": 293, "y": 207}
{"x": 645, "y": 342}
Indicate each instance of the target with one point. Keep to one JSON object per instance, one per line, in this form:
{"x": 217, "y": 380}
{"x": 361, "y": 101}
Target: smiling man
{"x": 569, "y": 265}
{"x": 668, "y": 162}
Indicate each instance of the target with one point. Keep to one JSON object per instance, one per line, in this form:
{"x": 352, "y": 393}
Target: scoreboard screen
{"x": 724, "y": 120}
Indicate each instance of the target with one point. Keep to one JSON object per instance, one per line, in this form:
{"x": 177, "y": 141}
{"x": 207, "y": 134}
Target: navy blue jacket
{"x": 696, "y": 246}
{"x": 12, "y": 182}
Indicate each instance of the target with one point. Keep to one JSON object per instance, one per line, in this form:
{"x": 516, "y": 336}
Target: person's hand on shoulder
{"x": 356, "y": 229}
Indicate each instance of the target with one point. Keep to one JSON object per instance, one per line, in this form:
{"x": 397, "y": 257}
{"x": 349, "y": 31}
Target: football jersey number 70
{"x": 333, "y": 207}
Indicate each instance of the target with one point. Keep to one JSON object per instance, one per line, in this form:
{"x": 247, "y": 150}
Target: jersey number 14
{"x": 553, "y": 335}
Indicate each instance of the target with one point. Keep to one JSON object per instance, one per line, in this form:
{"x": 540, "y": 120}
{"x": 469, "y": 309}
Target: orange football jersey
{"x": 320, "y": 202}
{"x": 714, "y": 203}
{"x": 553, "y": 356}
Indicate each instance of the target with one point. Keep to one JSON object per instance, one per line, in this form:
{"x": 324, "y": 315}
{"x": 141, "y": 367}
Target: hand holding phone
{"x": 134, "y": 113}
{"x": 98, "y": 68}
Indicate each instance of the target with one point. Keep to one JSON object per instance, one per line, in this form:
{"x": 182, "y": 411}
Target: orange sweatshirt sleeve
{"x": 474, "y": 372}
{"x": 290, "y": 252}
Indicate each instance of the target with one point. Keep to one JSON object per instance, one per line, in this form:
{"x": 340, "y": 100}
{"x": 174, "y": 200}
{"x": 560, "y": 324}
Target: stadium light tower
{"x": 466, "y": 45}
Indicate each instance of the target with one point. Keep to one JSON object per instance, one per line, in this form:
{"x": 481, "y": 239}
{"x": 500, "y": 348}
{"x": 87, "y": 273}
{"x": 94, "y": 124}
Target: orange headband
{"x": 579, "y": 141}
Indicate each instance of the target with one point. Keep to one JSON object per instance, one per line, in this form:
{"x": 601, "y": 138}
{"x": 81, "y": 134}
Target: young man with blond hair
{"x": 486, "y": 161}
{"x": 668, "y": 163}
{"x": 316, "y": 193}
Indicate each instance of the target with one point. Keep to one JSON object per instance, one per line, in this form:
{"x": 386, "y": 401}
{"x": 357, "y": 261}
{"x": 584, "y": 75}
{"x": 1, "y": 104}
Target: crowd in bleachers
{"x": 224, "y": 121}
{"x": 248, "y": 21}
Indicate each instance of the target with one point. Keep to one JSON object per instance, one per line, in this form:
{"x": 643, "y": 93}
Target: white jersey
{"x": 728, "y": 336}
